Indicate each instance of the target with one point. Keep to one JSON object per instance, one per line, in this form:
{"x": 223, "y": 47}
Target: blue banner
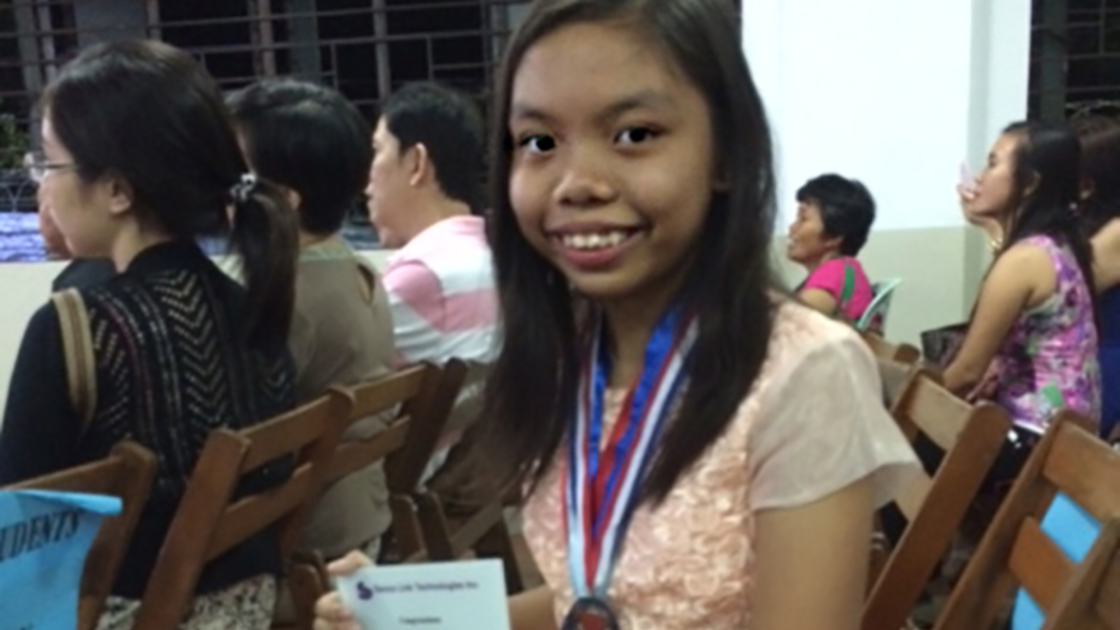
{"x": 44, "y": 539}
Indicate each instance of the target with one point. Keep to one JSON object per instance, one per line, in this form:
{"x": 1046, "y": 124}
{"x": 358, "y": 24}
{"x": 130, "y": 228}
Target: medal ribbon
{"x": 602, "y": 490}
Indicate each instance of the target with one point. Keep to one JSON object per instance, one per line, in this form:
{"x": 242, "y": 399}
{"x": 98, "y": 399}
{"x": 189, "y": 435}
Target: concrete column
{"x": 303, "y": 29}
{"x": 109, "y": 20}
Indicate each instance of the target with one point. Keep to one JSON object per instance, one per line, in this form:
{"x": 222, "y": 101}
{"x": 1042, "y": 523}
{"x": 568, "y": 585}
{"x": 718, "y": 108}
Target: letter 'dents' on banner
{"x": 44, "y": 539}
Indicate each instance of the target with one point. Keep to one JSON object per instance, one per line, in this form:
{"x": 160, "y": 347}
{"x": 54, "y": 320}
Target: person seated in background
{"x": 1100, "y": 222}
{"x": 141, "y": 161}
{"x": 834, "y": 217}
{"x": 80, "y": 272}
{"x": 314, "y": 144}
{"x": 1031, "y": 343}
{"x": 424, "y": 197}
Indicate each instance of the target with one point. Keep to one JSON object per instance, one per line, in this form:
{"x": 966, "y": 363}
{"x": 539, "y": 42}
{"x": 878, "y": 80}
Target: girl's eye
{"x": 636, "y": 135}
{"x": 538, "y": 143}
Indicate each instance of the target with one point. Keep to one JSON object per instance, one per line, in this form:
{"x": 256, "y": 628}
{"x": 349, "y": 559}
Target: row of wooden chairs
{"x": 1013, "y": 551}
{"x": 968, "y": 438}
{"x": 212, "y": 518}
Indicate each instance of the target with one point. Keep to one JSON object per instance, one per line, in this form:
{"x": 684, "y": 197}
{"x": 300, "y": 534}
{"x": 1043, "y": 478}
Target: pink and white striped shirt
{"x": 442, "y": 295}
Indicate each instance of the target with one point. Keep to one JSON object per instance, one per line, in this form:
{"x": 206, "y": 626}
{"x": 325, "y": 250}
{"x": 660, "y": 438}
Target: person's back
{"x": 441, "y": 288}
{"x": 1109, "y": 356}
{"x": 424, "y": 197}
{"x": 1048, "y": 361}
{"x": 1100, "y": 218}
{"x": 845, "y": 282}
{"x": 342, "y": 328}
{"x": 139, "y": 162}
{"x": 342, "y": 334}
{"x": 171, "y": 367}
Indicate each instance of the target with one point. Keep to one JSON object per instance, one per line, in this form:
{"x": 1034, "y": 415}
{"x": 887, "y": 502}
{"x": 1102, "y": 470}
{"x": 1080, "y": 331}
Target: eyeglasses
{"x": 38, "y": 168}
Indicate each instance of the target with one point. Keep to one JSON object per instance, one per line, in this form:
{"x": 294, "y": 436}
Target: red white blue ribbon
{"x": 602, "y": 488}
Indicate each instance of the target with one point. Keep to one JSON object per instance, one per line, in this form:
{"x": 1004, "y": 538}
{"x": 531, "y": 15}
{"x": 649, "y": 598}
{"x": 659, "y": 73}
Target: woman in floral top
{"x": 1032, "y": 341}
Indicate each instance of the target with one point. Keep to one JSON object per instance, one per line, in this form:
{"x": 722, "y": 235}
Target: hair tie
{"x": 242, "y": 190}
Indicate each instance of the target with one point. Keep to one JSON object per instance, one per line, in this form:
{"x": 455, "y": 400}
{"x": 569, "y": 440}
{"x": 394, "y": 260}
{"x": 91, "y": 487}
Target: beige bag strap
{"x": 77, "y": 345}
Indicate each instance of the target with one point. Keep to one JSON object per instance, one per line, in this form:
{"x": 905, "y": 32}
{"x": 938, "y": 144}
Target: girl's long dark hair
{"x": 148, "y": 113}
{"x": 530, "y": 393}
{"x": 1048, "y": 156}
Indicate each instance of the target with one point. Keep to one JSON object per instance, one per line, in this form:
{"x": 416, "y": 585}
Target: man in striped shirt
{"x": 424, "y": 193}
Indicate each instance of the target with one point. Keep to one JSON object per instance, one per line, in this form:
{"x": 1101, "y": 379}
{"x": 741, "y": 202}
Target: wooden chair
{"x": 1092, "y": 601}
{"x": 211, "y": 520}
{"x": 452, "y": 532}
{"x": 971, "y": 438}
{"x": 1015, "y": 552}
{"x": 405, "y": 468}
{"x": 127, "y": 473}
{"x": 409, "y": 391}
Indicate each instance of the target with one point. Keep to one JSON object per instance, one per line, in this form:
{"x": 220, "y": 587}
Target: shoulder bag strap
{"x": 77, "y": 346}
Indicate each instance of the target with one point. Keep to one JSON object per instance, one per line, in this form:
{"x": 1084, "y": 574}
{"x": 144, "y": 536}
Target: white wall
{"x": 897, "y": 94}
{"x": 893, "y": 92}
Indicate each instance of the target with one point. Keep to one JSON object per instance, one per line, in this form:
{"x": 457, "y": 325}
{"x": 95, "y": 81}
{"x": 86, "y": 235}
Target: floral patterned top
{"x": 1049, "y": 360}
{"x": 812, "y": 423}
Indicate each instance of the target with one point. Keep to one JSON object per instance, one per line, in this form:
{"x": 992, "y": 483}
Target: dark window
{"x": 1075, "y": 58}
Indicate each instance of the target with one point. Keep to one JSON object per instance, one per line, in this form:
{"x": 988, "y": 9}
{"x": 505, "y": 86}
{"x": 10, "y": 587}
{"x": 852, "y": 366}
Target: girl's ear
{"x": 1032, "y": 184}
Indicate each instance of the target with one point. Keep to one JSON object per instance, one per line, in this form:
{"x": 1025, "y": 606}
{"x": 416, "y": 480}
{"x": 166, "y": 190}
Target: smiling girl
{"x": 700, "y": 451}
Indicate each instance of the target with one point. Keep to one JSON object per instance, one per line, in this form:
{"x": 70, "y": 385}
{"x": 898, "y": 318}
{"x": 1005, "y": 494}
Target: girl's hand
{"x": 969, "y": 194}
{"x": 988, "y": 386}
{"x": 330, "y": 614}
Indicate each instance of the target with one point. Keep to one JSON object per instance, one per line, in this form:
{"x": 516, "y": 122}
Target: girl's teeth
{"x": 594, "y": 241}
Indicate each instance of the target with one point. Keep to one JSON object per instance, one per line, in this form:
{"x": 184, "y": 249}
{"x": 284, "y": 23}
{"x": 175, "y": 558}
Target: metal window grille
{"x": 363, "y": 48}
{"x": 1075, "y": 58}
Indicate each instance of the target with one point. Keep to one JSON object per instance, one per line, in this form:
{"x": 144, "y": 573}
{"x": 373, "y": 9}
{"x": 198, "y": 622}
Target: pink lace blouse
{"x": 813, "y": 423}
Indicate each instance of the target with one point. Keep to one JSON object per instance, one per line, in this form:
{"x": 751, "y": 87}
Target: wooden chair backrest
{"x": 404, "y": 391}
{"x": 468, "y": 401}
{"x": 405, "y": 467}
{"x": 935, "y": 506}
{"x": 1092, "y": 602}
{"x": 1016, "y": 552}
{"x": 126, "y": 473}
{"x": 211, "y": 520}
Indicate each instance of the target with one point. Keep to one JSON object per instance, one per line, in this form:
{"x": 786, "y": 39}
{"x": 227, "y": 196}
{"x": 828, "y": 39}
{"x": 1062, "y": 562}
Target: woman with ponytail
{"x": 139, "y": 160}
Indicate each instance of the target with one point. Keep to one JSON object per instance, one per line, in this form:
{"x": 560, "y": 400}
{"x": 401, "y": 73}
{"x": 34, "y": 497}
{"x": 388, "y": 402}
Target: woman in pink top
{"x": 834, "y": 215}
{"x": 699, "y": 450}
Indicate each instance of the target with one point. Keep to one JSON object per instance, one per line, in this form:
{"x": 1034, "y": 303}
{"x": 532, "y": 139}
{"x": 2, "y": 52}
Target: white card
{"x": 463, "y": 595}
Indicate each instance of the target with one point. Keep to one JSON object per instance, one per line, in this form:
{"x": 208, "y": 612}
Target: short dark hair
{"x": 309, "y": 138}
{"x": 450, "y": 127}
{"x": 846, "y": 206}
